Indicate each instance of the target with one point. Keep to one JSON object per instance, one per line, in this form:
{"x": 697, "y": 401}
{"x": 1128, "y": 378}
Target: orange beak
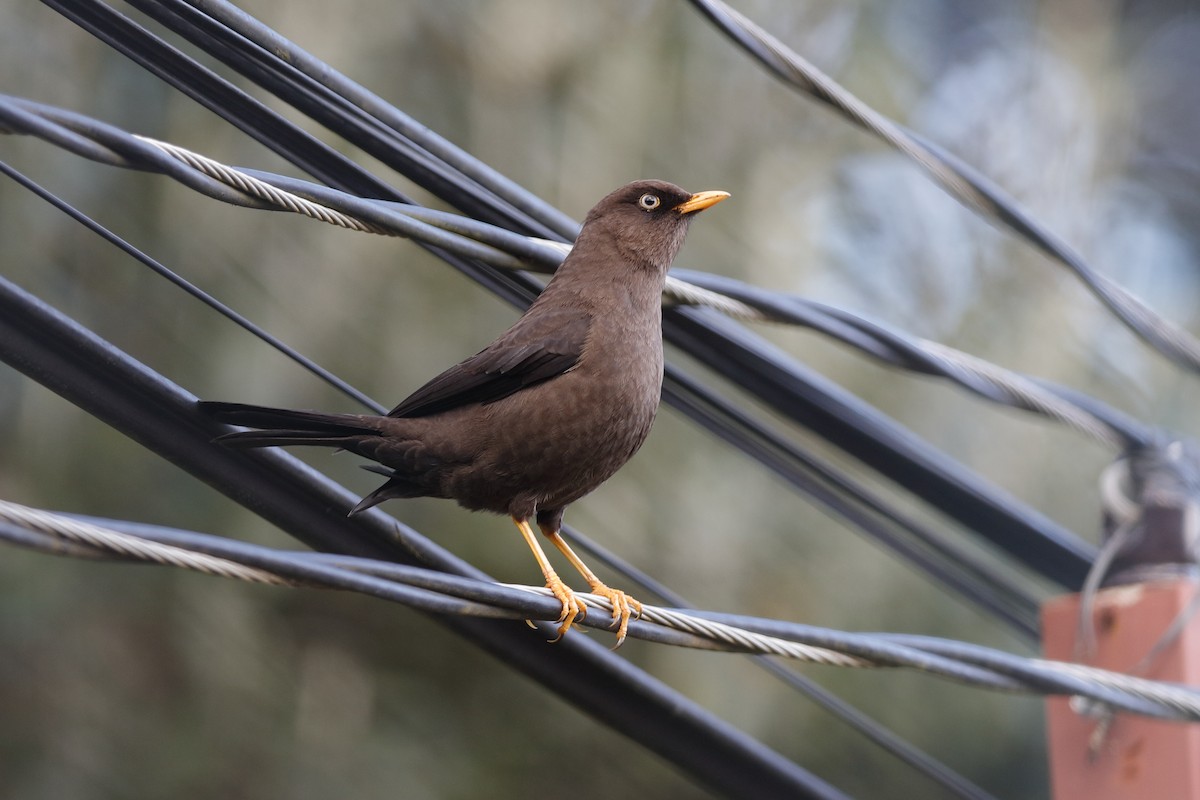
{"x": 700, "y": 201}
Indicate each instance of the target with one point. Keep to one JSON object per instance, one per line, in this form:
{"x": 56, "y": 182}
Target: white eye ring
{"x": 649, "y": 202}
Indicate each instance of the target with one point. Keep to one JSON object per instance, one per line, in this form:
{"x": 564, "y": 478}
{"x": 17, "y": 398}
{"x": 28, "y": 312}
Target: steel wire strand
{"x": 284, "y": 201}
{"x": 959, "y": 179}
{"x": 443, "y": 593}
{"x": 703, "y": 634}
{"x": 142, "y": 549}
{"x": 123, "y": 544}
{"x": 1153, "y": 698}
{"x": 1181, "y": 698}
{"x": 983, "y": 378}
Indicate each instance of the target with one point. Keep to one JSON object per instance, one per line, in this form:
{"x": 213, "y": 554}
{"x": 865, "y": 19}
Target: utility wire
{"x": 438, "y": 592}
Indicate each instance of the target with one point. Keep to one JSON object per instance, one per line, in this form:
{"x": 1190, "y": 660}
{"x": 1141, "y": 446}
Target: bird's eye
{"x": 649, "y": 201}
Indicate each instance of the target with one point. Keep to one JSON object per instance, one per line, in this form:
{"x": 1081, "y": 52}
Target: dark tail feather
{"x": 379, "y": 469}
{"x": 282, "y": 426}
{"x": 279, "y": 438}
{"x": 284, "y": 418}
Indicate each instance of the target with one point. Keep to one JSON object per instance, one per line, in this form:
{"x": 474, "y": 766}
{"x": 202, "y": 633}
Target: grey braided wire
{"x": 1166, "y": 700}
{"x": 132, "y": 546}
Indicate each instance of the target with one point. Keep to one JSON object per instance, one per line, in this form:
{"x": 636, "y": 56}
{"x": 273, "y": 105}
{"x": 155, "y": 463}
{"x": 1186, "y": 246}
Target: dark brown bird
{"x": 544, "y": 414}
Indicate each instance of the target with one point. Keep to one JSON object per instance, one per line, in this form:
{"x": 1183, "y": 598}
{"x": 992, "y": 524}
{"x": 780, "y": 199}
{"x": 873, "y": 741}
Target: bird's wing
{"x": 536, "y": 349}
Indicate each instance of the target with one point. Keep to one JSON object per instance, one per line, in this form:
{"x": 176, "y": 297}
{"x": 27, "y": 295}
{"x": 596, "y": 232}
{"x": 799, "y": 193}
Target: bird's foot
{"x": 624, "y": 608}
{"x": 573, "y": 609}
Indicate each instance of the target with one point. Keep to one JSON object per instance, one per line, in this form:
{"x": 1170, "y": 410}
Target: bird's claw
{"x": 624, "y": 608}
{"x": 573, "y": 609}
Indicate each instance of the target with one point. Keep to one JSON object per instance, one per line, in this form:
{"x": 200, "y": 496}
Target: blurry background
{"x": 133, "y": 682}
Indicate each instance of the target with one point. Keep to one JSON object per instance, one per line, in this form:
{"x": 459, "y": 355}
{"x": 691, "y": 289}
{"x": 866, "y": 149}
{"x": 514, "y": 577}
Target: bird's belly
{"x": 551, "y": 444}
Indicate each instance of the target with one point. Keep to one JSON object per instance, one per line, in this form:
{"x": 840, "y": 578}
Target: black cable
{"x": 880, "y": 442}
{"x": 440, "y": 593}
{"x": 235, "y": 106}
{"x": 392, "y": 118}
{"x": 971, "y": 576}
{"x": 899, "y": 350}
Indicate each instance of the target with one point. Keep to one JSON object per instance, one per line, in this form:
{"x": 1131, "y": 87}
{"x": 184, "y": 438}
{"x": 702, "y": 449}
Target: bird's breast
{"x": 566, "y": 436}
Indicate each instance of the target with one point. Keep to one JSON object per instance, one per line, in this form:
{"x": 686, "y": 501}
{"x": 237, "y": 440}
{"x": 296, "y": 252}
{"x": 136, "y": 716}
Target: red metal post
{"x": 1131, "y": 758}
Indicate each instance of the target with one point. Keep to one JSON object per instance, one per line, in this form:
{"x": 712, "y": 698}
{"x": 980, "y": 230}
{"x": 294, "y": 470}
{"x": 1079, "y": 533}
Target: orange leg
{"x": 623, "y": 606}
{"x": 572, "y": 607}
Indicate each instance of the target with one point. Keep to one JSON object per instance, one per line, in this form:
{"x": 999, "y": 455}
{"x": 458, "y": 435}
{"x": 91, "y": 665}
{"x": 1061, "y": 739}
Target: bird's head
{"x": 645, "y": 221}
